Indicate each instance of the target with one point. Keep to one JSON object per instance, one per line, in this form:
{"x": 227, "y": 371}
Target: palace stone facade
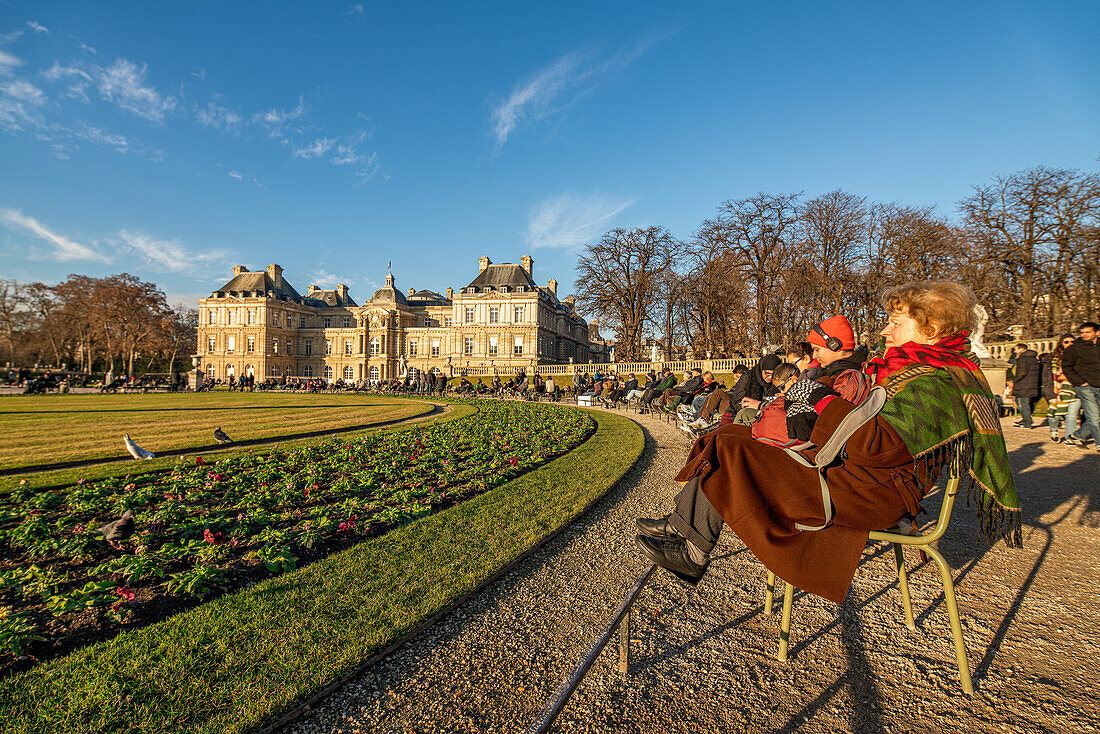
{"x": 258, "y": 324}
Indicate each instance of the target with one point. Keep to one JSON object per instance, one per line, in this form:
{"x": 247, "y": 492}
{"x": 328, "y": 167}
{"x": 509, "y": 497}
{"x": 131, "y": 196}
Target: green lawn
{"x": 240, "y": 660}
{"x": 47, "y": 429}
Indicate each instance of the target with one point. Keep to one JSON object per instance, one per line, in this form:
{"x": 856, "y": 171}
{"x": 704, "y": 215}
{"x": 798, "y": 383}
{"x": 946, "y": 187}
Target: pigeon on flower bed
{"x": 220, "y": 437}
{"x": 119, "y": 529}
{"x": 136, "y": 451}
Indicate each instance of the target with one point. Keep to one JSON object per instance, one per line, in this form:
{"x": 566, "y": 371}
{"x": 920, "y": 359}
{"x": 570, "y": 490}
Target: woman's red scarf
{"x": 952, "y": 351}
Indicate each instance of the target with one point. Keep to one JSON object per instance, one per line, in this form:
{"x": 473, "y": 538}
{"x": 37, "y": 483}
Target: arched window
{"x": 229, "y": 370}
{"x": 375, "y": 345}
{"x": 210, "y": 372}
{"x": 374, "y": 374}
{"x": 248, "y": 370}
{"x": 327, "y": 372}
{"x": 288, "y": 371}
{"x": 275, "y": 370}
{"x": 349, "y": 373}
{"x": 307, "y": 371}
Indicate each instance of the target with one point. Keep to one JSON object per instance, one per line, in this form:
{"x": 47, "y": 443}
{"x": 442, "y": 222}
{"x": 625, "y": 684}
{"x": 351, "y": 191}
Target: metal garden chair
{"x": 925, "y": 544}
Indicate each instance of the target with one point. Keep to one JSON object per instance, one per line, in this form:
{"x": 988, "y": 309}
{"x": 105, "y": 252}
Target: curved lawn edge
{"x": 239, "y": 661}
{"x": 60, "y": 478}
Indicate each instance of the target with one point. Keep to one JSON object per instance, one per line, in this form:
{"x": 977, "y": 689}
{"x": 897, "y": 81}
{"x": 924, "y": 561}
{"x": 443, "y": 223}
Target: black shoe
{"x": 672, "y": 555}
{"x": 659, "y": 529}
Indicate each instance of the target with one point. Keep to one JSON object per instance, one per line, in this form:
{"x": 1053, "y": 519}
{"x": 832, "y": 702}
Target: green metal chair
{"x": 925, "y": 544}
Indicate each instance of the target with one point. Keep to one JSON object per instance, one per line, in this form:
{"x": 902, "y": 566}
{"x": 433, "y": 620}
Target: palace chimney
{"x": 275, "y": 272}
{"x": 450, "y": 293}
{"x": 553, "y": 286}
{"x": 238, "y": 269}
{"x": 411, "y": 291}
{"x": 482, "y": 264}
{"x": 312, "y": 288}
{"x": 527, "y": 264}
{"x": 342, "y": 291}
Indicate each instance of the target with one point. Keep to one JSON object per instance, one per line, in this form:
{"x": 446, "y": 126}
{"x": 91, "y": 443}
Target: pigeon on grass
{"x": 220, "y": 437}
{"x": 136, "y": 451}
{"x": 119, "y": 529}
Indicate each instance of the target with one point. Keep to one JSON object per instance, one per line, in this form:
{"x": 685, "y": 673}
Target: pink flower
{"x": 127, "y": 597}
{"x": 212, "y": 537}
{"x": 199, "y": 461}
{"x": 513, "y": 461}
{"x": 348, "y": 525}
{"x": 78, "y": 529}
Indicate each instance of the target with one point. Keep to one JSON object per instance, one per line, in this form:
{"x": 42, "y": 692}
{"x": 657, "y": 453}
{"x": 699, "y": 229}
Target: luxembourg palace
{"x": 258, "y": 324}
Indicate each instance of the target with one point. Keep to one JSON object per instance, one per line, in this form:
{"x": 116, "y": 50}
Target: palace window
{"x": 230, "y": 343}
{"x": 347, "y": 323}
{"x": 349, "y": 373}
{"x": 211, "y": 317}
{"x": 251, "y": 317}
{"x": 375, "y": 345}
{"x": 435, "y": 347}
{"x": 468, "y": 345}
{"x": 412, "y": 348}
{"x": 274, "y": 370}
{"x": 211, "y": 343}
{"x": 290, "y": 346}
{"x": 250, "y": 346}
{"x": 309, "y": 347}
{"x": 328, "y": 322}
{"x": 517, "y": 347}
{"x": 492, "y": 346}
{"x": 448, "y": 322}
{"x": 210, "y": 372}
{"x": 327, "y": 373}
{"x": 328, "y": 346}
{"x": 307, "y": 371}
{"x": 275, "y": 345}
{"x": 347, "y": 346}
{"x": 373, "y": 372}
{"x": 229, "y": 317}
{"x": 469, "y": 314}
{"x": 494, "y": 314}
{"x": 518, "y": 314}
{"x": 301, "y": 324}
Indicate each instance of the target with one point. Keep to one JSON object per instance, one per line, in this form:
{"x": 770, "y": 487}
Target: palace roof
{"x": 508, "y": 275}
{"x": 259, "y": 283}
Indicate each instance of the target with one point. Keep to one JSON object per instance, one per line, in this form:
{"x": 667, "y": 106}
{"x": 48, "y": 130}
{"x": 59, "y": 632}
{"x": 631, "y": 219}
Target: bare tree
{"x": 618, "y": 281}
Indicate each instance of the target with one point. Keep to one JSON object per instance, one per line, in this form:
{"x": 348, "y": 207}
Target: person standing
{"x": 1026, "y": 384}
{"x": 1081, "y": 366}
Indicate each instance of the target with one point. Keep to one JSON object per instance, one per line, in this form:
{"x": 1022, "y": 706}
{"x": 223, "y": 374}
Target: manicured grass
{"x": 46, "y": 429}
{"x": 62, "y": 477}
{"x": 240, "y": 660}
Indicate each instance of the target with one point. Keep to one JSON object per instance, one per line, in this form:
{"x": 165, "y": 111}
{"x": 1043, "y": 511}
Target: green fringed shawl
{"x": 946, "y": 416}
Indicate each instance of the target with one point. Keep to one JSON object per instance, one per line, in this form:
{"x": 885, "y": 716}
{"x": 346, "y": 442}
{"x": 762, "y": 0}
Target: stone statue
{"x": 981, "y": 318}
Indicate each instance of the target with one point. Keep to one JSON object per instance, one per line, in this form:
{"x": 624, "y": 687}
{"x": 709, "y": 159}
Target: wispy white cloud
{"x": 63, "y": 247}
{"x": 96, "y": 135}
{"x": 355, "y": 11}
{"x": 557, "y": 86}
{"x": 77, "y": 79}
{"x": 199, "y": 73}
{"x": 23, "y": 91}
{"x": 238, "y": 176}
{"x": 168, "y": 255}
{"x": 123, "y": 83}
{"x": 219, "y": 118}
{"x": 8, "y": 62}
{"x": 277, "y": 121}
{"x": 323, "y": 278}
{"x": 317, "y": 148}
{"x": 569, "y": 220}
{"x": 38, "y": 27}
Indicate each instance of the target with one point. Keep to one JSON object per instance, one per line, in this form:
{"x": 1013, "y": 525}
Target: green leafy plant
{"x": 15, "y": 632}
{"x": 198, "y": 581}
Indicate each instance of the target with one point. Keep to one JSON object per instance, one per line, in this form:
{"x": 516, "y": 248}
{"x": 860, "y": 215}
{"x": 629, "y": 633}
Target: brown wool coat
{"x": 761, "y": 493}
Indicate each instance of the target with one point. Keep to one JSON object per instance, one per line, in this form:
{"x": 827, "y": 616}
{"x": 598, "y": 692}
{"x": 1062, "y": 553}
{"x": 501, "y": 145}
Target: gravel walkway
{"x": 704, "y": 660}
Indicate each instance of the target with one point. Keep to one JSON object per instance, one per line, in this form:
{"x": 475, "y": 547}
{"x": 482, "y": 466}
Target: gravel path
{"x": 704, "y": 659}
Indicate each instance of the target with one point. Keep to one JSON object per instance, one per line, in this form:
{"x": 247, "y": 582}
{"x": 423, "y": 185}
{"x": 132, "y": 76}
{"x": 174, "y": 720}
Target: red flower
{"x": 513, "y": 461}
{"x": 212, "y": 537}
{"x": 348, "y": 525}
{"x": 199, "y": 461}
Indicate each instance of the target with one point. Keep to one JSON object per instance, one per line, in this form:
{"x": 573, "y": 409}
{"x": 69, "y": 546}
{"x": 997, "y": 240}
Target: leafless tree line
{"x": 765, "y": 268}
{"x": 119, "y": 323}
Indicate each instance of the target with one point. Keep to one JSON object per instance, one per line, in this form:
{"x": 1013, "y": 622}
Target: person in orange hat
{"x": 834, "y": 345}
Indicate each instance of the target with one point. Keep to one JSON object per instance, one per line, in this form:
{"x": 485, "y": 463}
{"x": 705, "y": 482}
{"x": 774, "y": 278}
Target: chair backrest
{"x": 950, "y": 493}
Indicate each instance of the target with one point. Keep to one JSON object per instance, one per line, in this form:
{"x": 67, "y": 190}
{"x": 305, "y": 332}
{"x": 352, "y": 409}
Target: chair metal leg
{"x": 769, "y": 594}
{"x": 903, "y": 584}
{"x": 785, "y": 624}
{"x": 953, "y": 615}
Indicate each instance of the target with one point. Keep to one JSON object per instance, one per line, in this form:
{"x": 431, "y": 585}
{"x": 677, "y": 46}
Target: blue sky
{"x": 174, "y": 140}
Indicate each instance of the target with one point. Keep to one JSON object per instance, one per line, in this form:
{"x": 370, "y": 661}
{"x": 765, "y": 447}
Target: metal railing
{"x": 621, "y": 623}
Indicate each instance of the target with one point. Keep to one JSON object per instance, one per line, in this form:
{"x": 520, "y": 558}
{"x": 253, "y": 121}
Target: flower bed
{"x": 205, "y": 527}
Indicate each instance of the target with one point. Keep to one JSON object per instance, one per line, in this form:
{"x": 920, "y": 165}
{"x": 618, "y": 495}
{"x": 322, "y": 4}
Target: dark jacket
{"x": 1046, "y": 376}
{"x": 853, "y": 362}
{"x": 691, "y": 386}
{"x": 1081, "y": 363}
{"x": 631, "y": 384}
{"x": 1025, "y": 381}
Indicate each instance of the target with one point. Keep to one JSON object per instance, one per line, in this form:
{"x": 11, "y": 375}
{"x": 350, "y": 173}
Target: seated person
{"x": 624, "y": 388}
{"x": 801, "y": 355}
{"x": 693, "y": 380}
{"x": 835, "y": 350}
{"x": 754, "y": 386}
{"x": 667, "y": 381}
{"x": 691, "y": 411}
{"x": 887, "y": 466}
